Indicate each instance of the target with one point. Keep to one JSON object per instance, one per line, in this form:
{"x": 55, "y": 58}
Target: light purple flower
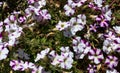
{"x": 110, "y": 36}
{"x": 103, "y": 22}
{"x": 22, "y": 54}
{"x": 96, "y": 55}
{"x": 93, "y": 27}
{"x": 111, "y": 62}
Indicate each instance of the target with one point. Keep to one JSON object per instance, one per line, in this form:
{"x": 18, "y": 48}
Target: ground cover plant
{"x": 59, "y": 36}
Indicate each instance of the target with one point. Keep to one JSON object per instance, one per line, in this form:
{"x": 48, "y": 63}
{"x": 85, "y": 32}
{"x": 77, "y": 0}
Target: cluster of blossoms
{"x": 35, "y": 12}
{"x": 64, "y": 60}
{"x": 81, "y": 46}
{"x": 71, "y": 5}
{"x": 71, "y": 27}
{"x": 22, "y": 66}
{"x": 11, "y": 29}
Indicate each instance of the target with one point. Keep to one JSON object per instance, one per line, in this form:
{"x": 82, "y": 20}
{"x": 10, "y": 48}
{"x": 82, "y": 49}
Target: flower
{"x": 17, "y": 65}
{"x": 62, "y": 25}
{"x": 103, "y": 22}
{"x": 1, "y": 4}
{"x": 110, "y": 36}
{"x": 93, "y": 27}
{"x": 98, "y": 2}
{"x": 92, "y": 68}
{"x": 40, "y": 3}
{"x": 37, "y": 70}
{"x": 106, "y": 12}
{"x": 31, "y": 1}
{"x": 22, "y": 54}
{"x": 112, "y": 71}
{"x": 1, "y": 27}
{"x": 81, "y": 19}
{"x": 93, "y": 6}
{"x": 67, "y": 64}
{"x": 77, "y": 3}
{"x": 77, "y": 23}
{"x": 69, "y": 10}
{"x": 22, "y": 19}
{"x": 117, "y": 29}
{"x": 21, "y": 66}
{"x": 76, "y": 28}
{"x": 111, "y": 62}
{"x": 95, "y": 55}
{"x": 44, "y": 13}
{"x": 81, "y": 47}
{"x": 3, "y": 52}
{"x": 112, "y": 45}
{"x": 65, "y": 59}
{"x": 42, "y": 54}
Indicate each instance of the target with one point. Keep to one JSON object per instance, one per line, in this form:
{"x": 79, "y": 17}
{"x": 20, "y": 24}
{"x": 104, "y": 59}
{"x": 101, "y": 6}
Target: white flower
{"x": 69, "y": 10}
{"x": 76, "y": 28}
{"x": 107, "y": 12}
{"x": 81, "y": 47}
{"x": 65, "y": 59}
{"x": 117, "y": 29}
{"x": 38, "y": 70}
{"x": 42, "y": 54}
{"x": 40, "y": 4}
{"x": 45, "y": 14}
{"x": 57, "y": 60}
{"x": 1, "y": 28}
{"x": 67, "y": 64}
{"x": 1, "y": 4}
{"x": 98, "y": 2}
{"x": 77, "y": 24}
{"x": 62, "y": 25}
{"x": 3, "y": 52}
{"x": 112, "y": 71}
{"x": 76, "y": 3}
{"x": 81, "y": 19}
